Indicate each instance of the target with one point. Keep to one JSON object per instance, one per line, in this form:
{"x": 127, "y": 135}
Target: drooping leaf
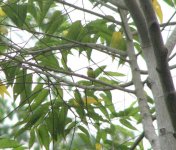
{"x": 8, "y": 143}
{"x": 84, "y": 130}
{"x": 78, "y": 97}
{"x": 44, "y": 6}
{"x": 43, "y": 136}
{"x": 110, "y": 73}
{"x": 2, "y": 13}
{"x": 85, "y": 138}
{"x": 117, "y": 41}
{"x": 127, "y": 124}
{"x": 99, "y": 70}
{"x": 107, "y": 97}
{"x": 3, "y": 30}
{"x": 55, "y": 21}
{"x": 16, "y": 12}
{"x": 62, "y": 120}
{"x": 10, "y": 69}
{"x": 39, "y": 99}
{"x": 19, "y": 85}
{"x": 91, "y": 100}
{"x": 52, "y": 122}
{"x": 74, "y": 30}
{"x": 32, "y": 138}
{"x": 49, "y": 60}
{"x": 158, "y": 10}
{"x": 3, "y": 90}
{"x": 170, "y": 2}
{"x": 98, "y": 146}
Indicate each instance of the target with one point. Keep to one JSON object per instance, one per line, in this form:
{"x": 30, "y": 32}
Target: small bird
{"x": 90, "y": 73}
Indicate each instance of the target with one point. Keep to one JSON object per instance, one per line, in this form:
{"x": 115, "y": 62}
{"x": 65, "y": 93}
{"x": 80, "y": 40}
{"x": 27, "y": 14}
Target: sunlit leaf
{"x": 98, "y": 146}
{"x": 3, "y": 30}
{"x": 3, "y": 90}
{"x": 2, "y": 13}
{"x": 158, "y": 10}
{"x": 91, "y": 100}
{"x": 117, "y": 41}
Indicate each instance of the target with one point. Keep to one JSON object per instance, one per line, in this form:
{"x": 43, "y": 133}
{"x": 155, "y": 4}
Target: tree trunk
{"x": 165, "y": 127}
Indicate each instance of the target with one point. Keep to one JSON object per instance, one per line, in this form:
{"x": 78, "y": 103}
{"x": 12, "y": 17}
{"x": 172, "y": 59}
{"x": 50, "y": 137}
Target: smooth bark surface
{"x": 147, "y": 121}
{"x": 167, "y": 140}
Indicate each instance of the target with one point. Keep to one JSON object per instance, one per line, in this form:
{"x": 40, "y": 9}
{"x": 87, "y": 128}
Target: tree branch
{"x": 161, "y": 53}
{"x": 90, "y": 12}
{"x": 61, "y": 79}
{"x": 118, "y": 3}
{"x": 98, "y": 47}
{"x": 147, "y": 121}
{"x": 138, "y": 140}
{"x": 171, "y": 41}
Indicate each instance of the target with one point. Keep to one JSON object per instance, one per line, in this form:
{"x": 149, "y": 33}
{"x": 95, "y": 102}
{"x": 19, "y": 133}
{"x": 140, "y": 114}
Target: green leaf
{"x": 27, "y": 80}
{"x": 104, "y": 111}
{"x": 70, "y": 127}
{"x": 106, "y": 80}
{"x": 55, "y": 21}
{"x": 43, "y": 136}
{"x": 10, "y": 69}
{"x": 85, "y": 138}
{"x": 62, "y": 120}
{"x": 49, "y": 60}
{"x": 32, "y": 9}
{"x": 16, "y": 12}
{"x": 78, "y": 97}
{"x": 84, "y": 130}
{"x": 74, "y": 30}
{"x": 19, "y": 84}
{"x": 110, "y": 73}
{"x": 33, "y": 119}
{"x": 44, "y": 8}
{"x": 107, "y": 98}
{"x": 99, "y": 70}
{"x": 170, "y": 2}
{"x": 127, "y": 124}
{"x": 8, "y": 143}
{"x": 130, "y": 111}
{"x": 39, "y": 99}
{"x": 84, "y": 82}
{"x": 32, "y": 138}
{"x": 36, "y": 91}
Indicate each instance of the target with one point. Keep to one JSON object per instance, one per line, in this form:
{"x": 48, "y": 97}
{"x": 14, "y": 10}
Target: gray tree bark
{"x": 165, "y": 127}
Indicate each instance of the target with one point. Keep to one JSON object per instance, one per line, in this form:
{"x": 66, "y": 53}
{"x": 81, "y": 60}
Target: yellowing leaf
{"x": 2, "y": 13}
{"x": 118, "y": 42}
{"x": 3, "y": 30}
{"x": 158, "y": 10}
{"x": 98, "y": 146}
{"x": 91, "y": 100}
{"x": 3, "y": 90}
{"x": 116, "y": 39}
{"x": 65, "y": 33}
{"x": 87, "y": 101}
